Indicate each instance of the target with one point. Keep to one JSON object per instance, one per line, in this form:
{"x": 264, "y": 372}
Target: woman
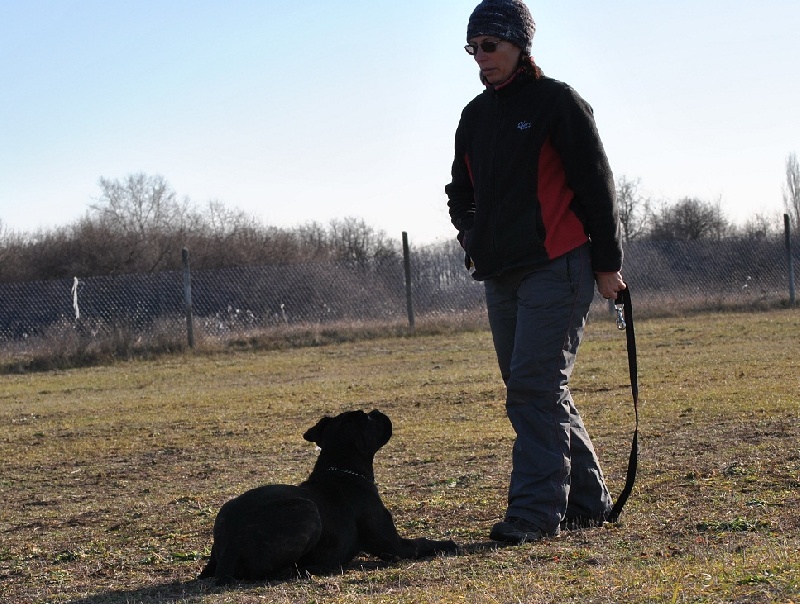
{"x": 532, "y": 197}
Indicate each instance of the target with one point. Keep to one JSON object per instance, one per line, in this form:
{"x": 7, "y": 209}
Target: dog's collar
{"x": 335, "y": 469}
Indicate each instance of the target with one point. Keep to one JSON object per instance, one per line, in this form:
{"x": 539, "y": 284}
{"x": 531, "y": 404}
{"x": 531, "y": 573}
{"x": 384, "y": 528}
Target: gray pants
{"x": 537, "y": 322}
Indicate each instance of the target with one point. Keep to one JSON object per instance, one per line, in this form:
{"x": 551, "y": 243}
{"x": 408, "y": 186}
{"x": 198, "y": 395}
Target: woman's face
{"x": 497, "y": 66}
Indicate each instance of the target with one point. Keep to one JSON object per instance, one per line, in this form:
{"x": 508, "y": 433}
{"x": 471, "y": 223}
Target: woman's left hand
{"x": 609, "y": 284}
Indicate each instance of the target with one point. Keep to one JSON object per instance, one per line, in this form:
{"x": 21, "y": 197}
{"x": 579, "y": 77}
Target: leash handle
{"x": 625, "y": 321}
{"x": 623, "y": 302}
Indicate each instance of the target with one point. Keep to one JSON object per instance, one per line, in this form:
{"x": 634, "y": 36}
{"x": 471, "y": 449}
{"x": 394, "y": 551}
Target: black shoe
{"x": 519, "y": 531}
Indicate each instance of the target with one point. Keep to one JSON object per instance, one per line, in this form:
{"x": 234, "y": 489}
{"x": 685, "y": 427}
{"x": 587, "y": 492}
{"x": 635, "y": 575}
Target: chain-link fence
{"x": 128, "y": 312}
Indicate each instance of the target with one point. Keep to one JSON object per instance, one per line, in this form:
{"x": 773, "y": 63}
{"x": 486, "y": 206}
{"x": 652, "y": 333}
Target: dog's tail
{"x": 223, "y": 572}
{"x": 211, "y": 567}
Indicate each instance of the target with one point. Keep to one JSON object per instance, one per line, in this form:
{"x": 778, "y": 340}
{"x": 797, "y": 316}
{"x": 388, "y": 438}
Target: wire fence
{"x": 129, "y": 312}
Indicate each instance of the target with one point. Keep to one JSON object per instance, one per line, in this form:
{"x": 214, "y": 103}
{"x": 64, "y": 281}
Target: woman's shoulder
{"x": 554, "y": 85}
{"x": 477, "y": 103}
{"x": 565, "y": 94}
{"x": 481, "y": 97}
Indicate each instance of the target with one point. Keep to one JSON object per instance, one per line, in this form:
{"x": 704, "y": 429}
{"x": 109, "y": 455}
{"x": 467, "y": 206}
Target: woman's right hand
{"x": 609, "y": 284}
{"x": 463, "y": 239}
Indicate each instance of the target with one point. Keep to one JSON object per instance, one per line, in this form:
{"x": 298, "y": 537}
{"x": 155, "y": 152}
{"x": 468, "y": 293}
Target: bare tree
{"x": 634, "y": 208}
{"x": 224, "y": 237}
{"x": 791, "y": 188}
{"x": 314, "y": 241}
{"x": 354, "y": 241}
{"x": 762, "y": 226}
{"x": 138, "y": 204}
{"x": 145, "y": 216}
{"x": 689, "y": 219}
{"x": 9, "y": 254}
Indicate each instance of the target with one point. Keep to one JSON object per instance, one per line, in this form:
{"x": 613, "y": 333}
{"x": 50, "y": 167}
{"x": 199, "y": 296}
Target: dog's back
{"x": 245, "y": 546}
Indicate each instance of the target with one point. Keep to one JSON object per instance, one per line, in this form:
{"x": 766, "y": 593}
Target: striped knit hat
{"x": 505, "y": 19}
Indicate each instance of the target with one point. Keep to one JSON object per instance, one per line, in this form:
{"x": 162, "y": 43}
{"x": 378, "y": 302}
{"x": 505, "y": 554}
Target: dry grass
{"x": 65, "y": 345}
{"x": 111, "y": 476}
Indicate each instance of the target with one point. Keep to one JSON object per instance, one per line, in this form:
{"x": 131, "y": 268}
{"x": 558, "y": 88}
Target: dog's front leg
{"x": 429, "y": 547}
{"x": 382, "y": 540}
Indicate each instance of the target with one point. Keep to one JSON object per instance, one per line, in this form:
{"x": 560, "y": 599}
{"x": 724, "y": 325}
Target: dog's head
{"x": 365, "y": 432}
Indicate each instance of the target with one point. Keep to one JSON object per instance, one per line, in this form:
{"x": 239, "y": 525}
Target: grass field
{"x": 111, "y": 477}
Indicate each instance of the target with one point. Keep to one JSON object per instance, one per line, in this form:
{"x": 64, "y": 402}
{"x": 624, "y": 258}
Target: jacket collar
{"x": 512, "y": 84}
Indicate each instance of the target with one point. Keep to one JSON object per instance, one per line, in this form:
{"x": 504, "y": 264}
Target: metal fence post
{"x": 187, "y": 296}
{"x": 788, "y": 231}
{"x": 407, "y": 268}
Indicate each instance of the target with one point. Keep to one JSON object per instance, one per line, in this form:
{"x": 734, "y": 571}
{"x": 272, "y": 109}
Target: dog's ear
{"x": 314, "y": 435}
{"x": 386, "y": 432}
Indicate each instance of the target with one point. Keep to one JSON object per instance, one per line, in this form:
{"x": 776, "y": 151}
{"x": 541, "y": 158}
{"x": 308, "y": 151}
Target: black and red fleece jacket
{"x": 530, "y": 179}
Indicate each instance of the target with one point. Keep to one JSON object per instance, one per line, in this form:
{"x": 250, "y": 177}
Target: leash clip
{"x": 620, "y": 308}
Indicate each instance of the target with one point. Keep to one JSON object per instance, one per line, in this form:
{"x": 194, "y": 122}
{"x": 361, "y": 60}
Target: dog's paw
{"x": 428, "y": 547}
{"x": 445, "y": 547}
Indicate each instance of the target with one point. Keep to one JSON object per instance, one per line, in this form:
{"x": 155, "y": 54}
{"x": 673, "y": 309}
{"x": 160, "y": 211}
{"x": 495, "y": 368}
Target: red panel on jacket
{"x": 563, "y": 230}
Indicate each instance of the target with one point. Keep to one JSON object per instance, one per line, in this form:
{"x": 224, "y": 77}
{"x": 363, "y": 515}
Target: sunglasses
{"x": 485, "y": 46}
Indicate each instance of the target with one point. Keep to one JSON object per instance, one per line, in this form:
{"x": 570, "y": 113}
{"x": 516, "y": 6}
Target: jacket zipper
{"x": 499, "y": 107}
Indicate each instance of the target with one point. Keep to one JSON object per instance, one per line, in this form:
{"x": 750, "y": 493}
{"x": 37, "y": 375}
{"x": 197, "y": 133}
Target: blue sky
{"x": 318, "y": 110}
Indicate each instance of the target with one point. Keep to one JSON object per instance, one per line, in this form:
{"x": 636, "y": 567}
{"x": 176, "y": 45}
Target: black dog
{"x": 275, "y": 531}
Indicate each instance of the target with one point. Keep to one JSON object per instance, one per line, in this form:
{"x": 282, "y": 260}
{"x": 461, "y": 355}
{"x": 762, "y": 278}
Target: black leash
{"x": 625, "y": 321}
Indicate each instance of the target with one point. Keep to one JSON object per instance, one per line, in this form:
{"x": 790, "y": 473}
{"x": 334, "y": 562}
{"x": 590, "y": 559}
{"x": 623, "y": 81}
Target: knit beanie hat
{"x": 505, "y": 19}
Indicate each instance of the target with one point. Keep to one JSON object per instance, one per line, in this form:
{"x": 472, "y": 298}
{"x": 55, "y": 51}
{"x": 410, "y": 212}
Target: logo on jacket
{"x": 524, "y": 126}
